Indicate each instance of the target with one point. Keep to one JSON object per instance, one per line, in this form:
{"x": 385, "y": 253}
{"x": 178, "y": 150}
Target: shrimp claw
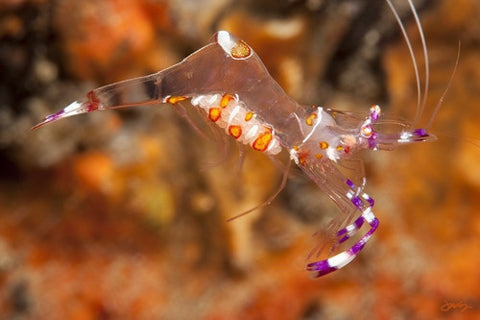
{"x": 323, "y": 267}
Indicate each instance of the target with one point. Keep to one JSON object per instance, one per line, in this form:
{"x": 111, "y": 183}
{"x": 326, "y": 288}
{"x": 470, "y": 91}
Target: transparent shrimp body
{"x": 229, "y": 82}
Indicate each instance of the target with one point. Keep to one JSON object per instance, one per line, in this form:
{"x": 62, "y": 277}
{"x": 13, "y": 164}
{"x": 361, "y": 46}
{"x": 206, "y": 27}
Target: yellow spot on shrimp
{"x": 318, "y": 156}
{"x": 235, "y": 131}
{"x": 249, "y": 115}
{"x": 174, "y": 99}
{"x": 323, "y": 145}
{"x": 302, "y": 157}
{"x": 262, "y": 141}
{"x": 214, "y": 114}
{"x": 226, "y": 100}
{"x": 311, "y": 119}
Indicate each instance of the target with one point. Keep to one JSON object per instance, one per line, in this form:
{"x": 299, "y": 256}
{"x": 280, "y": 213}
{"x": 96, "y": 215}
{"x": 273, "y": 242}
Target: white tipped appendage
{"x": 72, "y": 109}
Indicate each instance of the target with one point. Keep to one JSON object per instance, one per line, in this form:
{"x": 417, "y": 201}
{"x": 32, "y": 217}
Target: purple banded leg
{"x": 350, "y": 230}
{"x": 340, "y": 260}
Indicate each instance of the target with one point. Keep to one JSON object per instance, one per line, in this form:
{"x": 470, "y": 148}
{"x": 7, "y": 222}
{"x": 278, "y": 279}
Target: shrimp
{"x": 228, "y": 82}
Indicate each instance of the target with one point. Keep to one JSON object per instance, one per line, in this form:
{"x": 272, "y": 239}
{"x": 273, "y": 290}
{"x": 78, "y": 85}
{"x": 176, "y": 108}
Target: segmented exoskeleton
{"x": 228, "y": 81}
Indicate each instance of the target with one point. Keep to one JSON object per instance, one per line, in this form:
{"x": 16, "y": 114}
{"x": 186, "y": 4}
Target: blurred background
{"x": 122, "y": 215}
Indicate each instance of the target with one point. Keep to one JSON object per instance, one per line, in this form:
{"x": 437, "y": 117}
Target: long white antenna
{"x": 412, "y": 54}
{"x": 442, "y": 97}
{"x": 427, "y": 63}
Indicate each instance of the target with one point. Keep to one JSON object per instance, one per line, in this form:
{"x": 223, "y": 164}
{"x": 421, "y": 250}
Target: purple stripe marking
{"x": 357, "y": 202}
{"x": 325, "y": 271}
{"x": 420, "y": 132}
{"x": 350, "y": 184}
{"x": 322, "y": 268}
{"x": 372, "y": 143}
{"x": 359, "y": 222}
{"x": 361, "y": 243}
{"x": 342, "y": 232}
{"x": 371, "y": 201}
{"x": 357, "y": 247}
{"x": 55, "y": 116}
{"x": 318, "y": 265}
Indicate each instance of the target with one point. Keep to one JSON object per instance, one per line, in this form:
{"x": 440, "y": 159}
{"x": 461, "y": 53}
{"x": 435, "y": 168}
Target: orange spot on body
{"x": 214, "y": 114}
{"x": 318, "y": 155}
{"x": 249, "y": 115}
{"x": 262, "y": 141}
{"x": 323, "y": 145}
{"x": 235, "y": 131}
{"x": 339, "y": 148}
{"x": 175, "y": 99}
{"x": 311, "y": 119}
{"x": 226, "y": 100}
{"x": 302, "y": 157}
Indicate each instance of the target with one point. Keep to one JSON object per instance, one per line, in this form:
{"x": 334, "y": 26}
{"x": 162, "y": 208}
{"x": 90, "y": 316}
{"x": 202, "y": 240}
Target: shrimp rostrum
{"x": 227, "y": 80}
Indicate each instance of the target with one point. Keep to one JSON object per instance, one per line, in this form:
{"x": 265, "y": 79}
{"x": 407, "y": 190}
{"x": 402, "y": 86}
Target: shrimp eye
{"x": 366, "y": 131}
